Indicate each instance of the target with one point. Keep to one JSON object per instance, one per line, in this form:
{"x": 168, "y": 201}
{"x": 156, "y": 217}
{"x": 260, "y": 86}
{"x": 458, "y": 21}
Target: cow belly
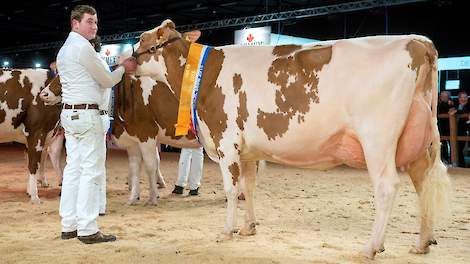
{"x": 341, "y": 148}
{"x": 416, "y": 135}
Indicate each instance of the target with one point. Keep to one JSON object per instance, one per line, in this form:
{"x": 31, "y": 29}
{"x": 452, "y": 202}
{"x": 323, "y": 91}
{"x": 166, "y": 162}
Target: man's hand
{"x": 130, "y": 64}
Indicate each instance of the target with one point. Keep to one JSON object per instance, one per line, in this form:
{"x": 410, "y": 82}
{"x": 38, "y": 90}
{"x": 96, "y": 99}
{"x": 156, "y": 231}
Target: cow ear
{"x": 192, "y": 36}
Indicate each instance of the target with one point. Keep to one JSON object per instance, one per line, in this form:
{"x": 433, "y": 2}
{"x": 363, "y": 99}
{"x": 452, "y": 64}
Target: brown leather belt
{"x": 81, "y": 106}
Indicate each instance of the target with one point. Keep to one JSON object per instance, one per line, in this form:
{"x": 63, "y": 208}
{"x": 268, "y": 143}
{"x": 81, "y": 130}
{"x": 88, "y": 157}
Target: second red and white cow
{"x": 25, "y": 119}
{"x": 366, "y": 102}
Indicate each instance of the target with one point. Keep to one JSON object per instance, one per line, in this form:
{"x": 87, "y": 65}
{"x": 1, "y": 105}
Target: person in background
{"x": 189, "y": 169}
{"x": 462, "y": 108}
{"x": 444, "y": 106}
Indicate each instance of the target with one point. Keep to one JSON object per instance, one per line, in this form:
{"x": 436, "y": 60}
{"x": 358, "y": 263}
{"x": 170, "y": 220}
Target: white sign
{"x": 253, "y": 36}
{"x": 110, "y": 53}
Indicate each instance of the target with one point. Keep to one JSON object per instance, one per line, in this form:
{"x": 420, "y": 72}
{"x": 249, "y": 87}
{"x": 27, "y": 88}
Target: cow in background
{"x": 366, "y": 102}
{"x": 26, "y": 119}
{"x": 138, "y": 127}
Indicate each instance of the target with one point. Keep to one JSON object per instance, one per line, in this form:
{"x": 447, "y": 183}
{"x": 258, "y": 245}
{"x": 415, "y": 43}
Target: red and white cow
{"x": 365, "y": 102}
{"x": 25, "y": 119}
{"x": 138, "y": 126}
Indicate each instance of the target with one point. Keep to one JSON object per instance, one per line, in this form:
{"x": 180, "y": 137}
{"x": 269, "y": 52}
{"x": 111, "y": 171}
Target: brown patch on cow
{"x": 175, "y": 70}
{"x": 237, "y": 147}
{"x": 296, "y": 77}
{"x": 139, "y": 121}
{"x": 3, "y": 114}
{"x": 242, "y": 111}
{"x": 237, "y": 82}
{"x": 235, "y": 171}
{"x": 273, "y": 124}
{"x": 422, "y": 52}
{"x": 211, "y": 99}
{"x": 221, "y": 154}
{"x": 284, "y": 50}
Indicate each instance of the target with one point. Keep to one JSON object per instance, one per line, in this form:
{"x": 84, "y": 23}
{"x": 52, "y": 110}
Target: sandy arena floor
{"x": 304, "y": 216}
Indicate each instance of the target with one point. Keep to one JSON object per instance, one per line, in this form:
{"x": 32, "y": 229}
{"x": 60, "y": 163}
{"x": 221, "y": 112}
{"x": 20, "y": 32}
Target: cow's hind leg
{"x": 55, "y": 153}
{"x": 149, "y": 156}
{"x": 135, "y": 158}
{"x": 42, "y": 178}
{"x": 160, "y": 180}
{"x": 432, "y": 184}
{"x": 385, "y": 179}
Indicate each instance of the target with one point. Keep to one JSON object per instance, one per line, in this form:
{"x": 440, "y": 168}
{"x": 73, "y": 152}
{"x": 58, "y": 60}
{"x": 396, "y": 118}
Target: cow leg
{"x": 35, "y": 143}
{"x": 42, "y": 178}
{"x": 135, "y": 158}
{"x": 149, "y": 155}
{"x": 382, "y": 170}
{"x": 55, "y": 152}
{"x": 160, "y": 180}
{"x": 248, "y": 188}
{"x": 231, "y": 171}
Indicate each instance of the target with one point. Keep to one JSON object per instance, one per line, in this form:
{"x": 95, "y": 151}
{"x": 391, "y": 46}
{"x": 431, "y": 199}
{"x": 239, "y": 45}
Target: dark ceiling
{"x": 40, "y": 21}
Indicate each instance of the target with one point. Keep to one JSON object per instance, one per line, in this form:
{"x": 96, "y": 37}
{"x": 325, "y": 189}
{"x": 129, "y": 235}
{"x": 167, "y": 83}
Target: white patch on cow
{"x": 37, "y": 78}
{"x": 291, "y": 79}
{"x": 38, "y": 146}
{"x": 146, "y": 83}
{"x": 5, "y": 76}
{"x": 182, "y": 60}
{"x": 7, "y": 132}
{"x": 155, "y": 69}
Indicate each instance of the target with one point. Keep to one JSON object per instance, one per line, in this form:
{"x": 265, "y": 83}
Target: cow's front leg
{"x": 135, "y": 158}
{"x": 231, "y": 171}
{"x": 248, "y": 188}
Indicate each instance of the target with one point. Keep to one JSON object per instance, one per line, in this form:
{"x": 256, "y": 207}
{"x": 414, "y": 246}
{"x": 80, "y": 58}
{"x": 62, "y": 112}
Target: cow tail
{"x": 435, "y": 197}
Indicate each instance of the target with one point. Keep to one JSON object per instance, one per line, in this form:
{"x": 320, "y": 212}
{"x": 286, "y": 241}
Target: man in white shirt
{"x": 83, "y": 76}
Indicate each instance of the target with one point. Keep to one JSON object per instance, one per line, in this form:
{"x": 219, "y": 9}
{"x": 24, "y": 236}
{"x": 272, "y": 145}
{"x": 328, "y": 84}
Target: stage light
{"x": 38, "y": 65}
{"x": 6, "y": 63}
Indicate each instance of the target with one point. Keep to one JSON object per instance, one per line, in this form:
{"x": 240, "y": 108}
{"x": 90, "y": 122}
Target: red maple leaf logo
{"x": 250, "y": 38}
{"x": 107, "y": 52}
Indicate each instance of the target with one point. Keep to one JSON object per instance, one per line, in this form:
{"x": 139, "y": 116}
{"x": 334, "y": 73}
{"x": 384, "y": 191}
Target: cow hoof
{"x": 161, "y": 185}
{"x": 417, "y": 250}
{"x": 35, "y": 201}
{"x": 248, "y": 231}
{"x": 151, "y": 202}
{"x": 369, "y": 253}
{"x": 224, "y": 237}
{"x": 131, "y": 202}
{"x": 43, "y": 184}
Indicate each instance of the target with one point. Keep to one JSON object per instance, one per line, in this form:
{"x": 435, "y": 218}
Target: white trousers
{"x": 83, "y": 173}
{"x": 190, "y": 167}
{"x": 106, "y": 124}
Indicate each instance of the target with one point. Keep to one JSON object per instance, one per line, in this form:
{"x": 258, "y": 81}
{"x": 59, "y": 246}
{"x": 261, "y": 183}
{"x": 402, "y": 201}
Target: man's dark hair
{"x": 79, "y": 11}
{"x": 96, "y": 43}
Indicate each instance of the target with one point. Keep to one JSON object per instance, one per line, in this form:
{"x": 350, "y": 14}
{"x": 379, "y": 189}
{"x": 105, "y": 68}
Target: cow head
{"x": 156, "y": 46}
{"x": 51, "y": 95}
